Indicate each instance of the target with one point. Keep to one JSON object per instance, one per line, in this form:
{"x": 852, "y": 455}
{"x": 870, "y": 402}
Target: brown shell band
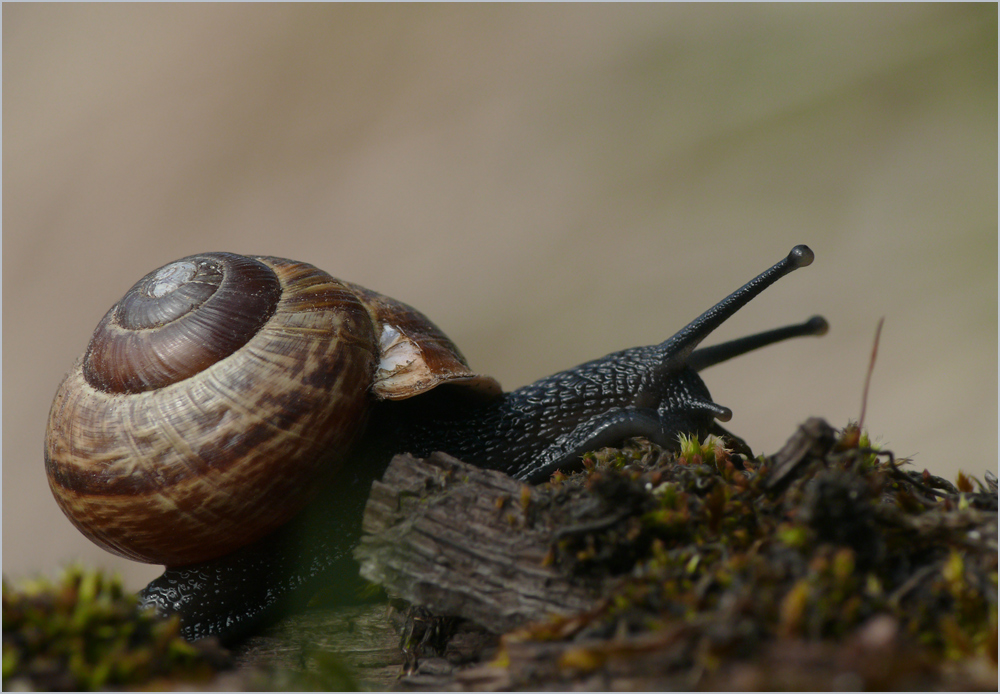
{"x": 180, "y": 319}
{"x": 204, "y": 465}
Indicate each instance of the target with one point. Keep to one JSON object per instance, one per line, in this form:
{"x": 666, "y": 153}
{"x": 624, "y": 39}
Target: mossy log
{"x": 825, "y": 565}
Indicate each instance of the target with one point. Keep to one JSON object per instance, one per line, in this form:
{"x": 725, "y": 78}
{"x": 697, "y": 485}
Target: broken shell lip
{"x": 401, "y": 366}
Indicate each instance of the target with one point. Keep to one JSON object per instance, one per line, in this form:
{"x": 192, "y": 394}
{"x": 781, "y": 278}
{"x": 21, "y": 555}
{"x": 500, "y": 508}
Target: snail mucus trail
{"x": 231, "y": 413}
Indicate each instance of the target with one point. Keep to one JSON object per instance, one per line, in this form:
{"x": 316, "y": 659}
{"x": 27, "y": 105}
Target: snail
{"x": 230, "y": 414}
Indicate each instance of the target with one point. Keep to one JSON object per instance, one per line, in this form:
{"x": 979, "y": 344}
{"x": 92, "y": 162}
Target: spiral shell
{"x": 219, "y": 393}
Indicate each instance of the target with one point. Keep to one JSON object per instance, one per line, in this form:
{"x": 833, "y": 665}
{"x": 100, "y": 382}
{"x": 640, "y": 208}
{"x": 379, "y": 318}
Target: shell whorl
{"x": 179, "y": 320}
{"x": 169, "y": 463}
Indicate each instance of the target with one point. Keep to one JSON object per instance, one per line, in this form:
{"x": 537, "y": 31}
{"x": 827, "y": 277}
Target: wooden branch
{"x": 466, "y": 542}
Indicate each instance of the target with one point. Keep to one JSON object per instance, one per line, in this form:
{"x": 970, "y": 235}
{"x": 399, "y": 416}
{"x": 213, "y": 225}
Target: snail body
{"x": 231, "y": 412}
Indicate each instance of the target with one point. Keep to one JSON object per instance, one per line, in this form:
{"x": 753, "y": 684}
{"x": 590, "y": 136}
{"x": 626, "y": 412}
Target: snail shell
{"x": 220, "y": 392}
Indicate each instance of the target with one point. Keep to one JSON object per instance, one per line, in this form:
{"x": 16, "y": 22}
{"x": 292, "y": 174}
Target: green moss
{"x": 848, "y": 536}
{"x": 83, "y": 631}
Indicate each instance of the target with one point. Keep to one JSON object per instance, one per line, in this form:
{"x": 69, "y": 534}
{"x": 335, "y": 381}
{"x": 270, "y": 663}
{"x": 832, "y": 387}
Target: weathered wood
{"x": 466, "y": 542}
{"x": 813, "y": 439}
{"x": 361, "y": 638}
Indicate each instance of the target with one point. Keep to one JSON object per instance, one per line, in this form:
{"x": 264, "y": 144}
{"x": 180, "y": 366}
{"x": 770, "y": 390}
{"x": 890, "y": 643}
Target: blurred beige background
{"x": 548, "y": 183}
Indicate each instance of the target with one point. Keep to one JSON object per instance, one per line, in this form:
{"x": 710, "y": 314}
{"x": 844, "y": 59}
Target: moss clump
{"x": 829, "y": 542}
{"x": 83, "y": 631}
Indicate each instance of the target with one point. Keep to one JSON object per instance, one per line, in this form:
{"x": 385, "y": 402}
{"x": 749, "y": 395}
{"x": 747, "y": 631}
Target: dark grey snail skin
{"x": 529, "y": 433}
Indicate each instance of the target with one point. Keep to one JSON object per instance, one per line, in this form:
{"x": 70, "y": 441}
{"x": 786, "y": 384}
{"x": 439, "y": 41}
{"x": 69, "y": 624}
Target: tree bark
{"x": 462, "y": 541}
